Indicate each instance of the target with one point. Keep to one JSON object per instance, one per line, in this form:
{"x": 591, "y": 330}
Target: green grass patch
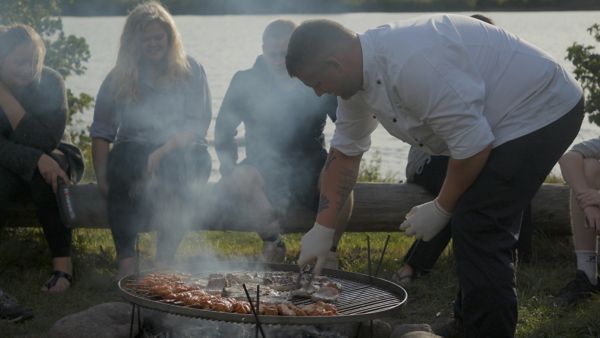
{"x": 25, "y": 265}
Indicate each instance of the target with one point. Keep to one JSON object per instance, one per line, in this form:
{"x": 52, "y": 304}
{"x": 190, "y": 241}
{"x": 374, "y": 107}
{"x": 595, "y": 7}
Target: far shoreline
{"x": 178, "y": 12}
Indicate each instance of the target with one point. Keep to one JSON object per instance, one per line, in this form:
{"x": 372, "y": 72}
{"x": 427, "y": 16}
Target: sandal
{"x": 56, "y": 275}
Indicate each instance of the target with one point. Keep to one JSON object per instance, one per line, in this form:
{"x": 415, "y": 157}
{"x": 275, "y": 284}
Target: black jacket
{"x": 279, "y": 123}
{"x": 40, "y": 130}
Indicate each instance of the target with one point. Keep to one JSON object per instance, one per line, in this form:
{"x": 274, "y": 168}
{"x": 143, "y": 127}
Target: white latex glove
{"x": 426, "y": 220}
{"x": 315, "y": 244}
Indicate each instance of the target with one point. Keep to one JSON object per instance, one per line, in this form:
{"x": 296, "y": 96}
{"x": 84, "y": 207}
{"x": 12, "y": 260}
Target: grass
{"x": 25, "y": 265}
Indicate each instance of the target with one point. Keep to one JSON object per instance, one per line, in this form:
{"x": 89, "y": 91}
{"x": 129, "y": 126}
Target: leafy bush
{"x": 371, "y": 171}
{"x": 587, "y": 72}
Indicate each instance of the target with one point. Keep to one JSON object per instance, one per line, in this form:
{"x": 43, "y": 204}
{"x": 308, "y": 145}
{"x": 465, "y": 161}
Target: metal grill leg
{"x": 358, "y": 330}
{"x": 132, "y": 320}
{"x": 137, "y": 271}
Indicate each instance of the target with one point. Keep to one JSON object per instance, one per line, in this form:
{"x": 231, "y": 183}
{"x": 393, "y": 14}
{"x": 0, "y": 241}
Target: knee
{"x": 41, "y": 192}
{"x": 591, "y": 169}
{"x": 246, "y": 178}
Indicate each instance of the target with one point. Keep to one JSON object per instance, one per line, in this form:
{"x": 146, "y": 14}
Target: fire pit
{"x": 362, "y": 298}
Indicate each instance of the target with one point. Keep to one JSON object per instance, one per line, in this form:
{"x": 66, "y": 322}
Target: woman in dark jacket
{"x": 33, "y": 114}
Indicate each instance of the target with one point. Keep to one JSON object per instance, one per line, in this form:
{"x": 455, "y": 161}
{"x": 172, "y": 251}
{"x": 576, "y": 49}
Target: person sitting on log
{"x": 155, "y": 107}
{"x": 581, "y": 169}
{"x": 285, "y": 151}
{"x": 33, "y": 115}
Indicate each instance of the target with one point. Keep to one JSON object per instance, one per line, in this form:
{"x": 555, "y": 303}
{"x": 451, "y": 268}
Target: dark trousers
{"x": 13, "y": 188}
{"x": 486, "y": 222}
{"x": 422, "y": 255}
{"x": 137, "y": 202}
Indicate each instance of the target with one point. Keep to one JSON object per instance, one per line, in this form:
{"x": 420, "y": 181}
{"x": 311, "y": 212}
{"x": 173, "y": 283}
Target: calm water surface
{"x": 225, "y": 44}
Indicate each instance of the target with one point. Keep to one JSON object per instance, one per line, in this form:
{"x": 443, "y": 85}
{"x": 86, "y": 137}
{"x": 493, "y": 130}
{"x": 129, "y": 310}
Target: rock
{"x": 413, "y": 331}
{"x": 381, "y": 329}
{"x": 108, "y": 320}
{"x": 419, "y": 334}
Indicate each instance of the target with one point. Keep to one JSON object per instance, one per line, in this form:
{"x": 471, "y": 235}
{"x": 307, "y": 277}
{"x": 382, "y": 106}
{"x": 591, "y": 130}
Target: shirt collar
{"x": 368, "y": 55}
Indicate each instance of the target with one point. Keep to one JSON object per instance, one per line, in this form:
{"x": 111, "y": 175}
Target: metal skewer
{"x": 254, "y": 311}
{"x": 369, "y": 256}
{"x": 382, "y": 253}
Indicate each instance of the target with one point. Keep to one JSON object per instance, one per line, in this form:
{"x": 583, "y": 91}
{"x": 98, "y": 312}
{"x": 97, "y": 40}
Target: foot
{"x": 404, "y": 275}
{"x": 332, "y": 262}
{"x": 58, "y": 282}
{"x": 11, "y": 310}
{"x": 577, "y": 289}
{"x": 273, "y": 251}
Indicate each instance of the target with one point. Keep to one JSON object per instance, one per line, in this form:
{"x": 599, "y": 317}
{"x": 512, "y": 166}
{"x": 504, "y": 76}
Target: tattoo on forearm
{"x": 347, "y": 181}
{"x": 330, "y": 159}
{"x": 323, "y": 203}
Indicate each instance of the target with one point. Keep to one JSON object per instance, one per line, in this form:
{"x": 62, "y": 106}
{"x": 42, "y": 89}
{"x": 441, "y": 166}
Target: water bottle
{"x": 65, "y": 203}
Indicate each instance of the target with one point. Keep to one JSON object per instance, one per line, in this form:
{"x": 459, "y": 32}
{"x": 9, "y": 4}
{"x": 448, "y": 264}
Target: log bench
{"x": 377, "y": 207}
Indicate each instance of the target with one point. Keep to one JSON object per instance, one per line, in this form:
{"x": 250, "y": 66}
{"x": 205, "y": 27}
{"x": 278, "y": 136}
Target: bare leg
{"x": 584, "y": 238}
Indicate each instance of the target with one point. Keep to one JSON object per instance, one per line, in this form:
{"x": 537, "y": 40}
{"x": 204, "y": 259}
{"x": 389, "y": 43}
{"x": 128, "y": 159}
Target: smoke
{"x": 158, "y": 324}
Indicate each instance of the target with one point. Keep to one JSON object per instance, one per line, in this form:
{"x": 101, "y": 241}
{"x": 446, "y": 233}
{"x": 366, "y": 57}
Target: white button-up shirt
{"x": 452, "y": 85}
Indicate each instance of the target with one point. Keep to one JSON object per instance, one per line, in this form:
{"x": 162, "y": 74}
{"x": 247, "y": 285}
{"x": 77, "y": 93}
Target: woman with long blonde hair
{"x": 155, "y": 107}
{"x": 33, "y": 115}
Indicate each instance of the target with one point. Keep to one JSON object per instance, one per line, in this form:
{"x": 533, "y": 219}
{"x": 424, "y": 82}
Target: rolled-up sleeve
{"x": 353, "y": 127}
{"x": 589, "y": 148}
{"x": 198, "y": 104}
{"x": 105, "y": 123}
{"x": 444, "y": 91}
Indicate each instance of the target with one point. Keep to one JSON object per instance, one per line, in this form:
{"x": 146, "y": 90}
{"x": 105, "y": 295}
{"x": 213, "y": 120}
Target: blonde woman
{"x": 154, "y": 106}
{"x": 33, "y": 114}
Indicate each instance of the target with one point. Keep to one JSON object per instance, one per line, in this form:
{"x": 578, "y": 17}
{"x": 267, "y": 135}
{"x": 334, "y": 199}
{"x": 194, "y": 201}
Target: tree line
{"x": 68, "y": 54}
{"x": 200, "y": 7}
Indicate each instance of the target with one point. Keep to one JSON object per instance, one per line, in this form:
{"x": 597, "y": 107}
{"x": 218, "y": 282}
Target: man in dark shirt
{"x": 285, "y": 151}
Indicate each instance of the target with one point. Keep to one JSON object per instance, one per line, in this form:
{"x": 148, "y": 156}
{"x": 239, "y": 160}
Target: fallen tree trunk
{"x": 377, "y": 207}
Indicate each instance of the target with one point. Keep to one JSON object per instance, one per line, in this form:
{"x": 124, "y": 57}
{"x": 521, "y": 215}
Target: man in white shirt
{"x": 502, "y": 109}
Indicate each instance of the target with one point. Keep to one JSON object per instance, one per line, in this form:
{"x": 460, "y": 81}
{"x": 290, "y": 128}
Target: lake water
{"x": 224, "y": 44}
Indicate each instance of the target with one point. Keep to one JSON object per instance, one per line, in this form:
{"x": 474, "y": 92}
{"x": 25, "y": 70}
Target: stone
{"x": 381, "y": 329}
{"x": 412, "y": 331}
{"x": 107, "y": 320}
{"x": 419, "y": 334}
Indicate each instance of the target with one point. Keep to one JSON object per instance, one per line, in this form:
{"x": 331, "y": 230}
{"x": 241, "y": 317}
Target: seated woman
{"x": 581, "y": 169}
{"x": 33, "y": 114}
{"x": 155, "y": 107}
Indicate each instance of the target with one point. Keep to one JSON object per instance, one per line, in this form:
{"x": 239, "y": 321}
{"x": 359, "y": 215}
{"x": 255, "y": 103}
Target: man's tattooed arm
{"x": 347, "y": 180}
{"x": 323, "y": 203}
{"x": 330, "y": 159}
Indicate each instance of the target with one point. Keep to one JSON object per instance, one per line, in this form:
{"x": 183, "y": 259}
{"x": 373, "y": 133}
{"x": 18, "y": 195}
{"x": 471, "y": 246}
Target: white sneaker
{"x": 332, "y": 262}
{"x": 273, "y": 251}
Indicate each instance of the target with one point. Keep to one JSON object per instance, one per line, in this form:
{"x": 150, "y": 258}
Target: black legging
{"x": 14, "y": 188}
{"x": 136, "y": 203}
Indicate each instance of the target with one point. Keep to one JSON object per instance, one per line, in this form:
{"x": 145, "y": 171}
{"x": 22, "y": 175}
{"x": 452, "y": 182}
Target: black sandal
{"x": 56, "y": 275}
